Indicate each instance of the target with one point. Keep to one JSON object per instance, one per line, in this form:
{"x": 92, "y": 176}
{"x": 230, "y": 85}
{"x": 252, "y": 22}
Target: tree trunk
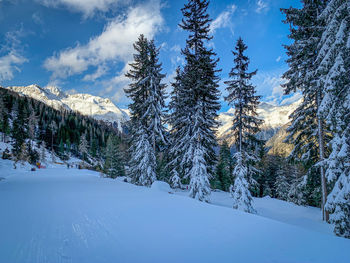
{"x": 325, "y": 214}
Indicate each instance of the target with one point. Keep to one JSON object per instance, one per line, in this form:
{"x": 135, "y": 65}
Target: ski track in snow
{"x": 69, "y": 215}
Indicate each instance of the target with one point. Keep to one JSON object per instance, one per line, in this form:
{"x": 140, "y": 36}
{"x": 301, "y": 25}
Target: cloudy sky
{"x": 85, "y": 45}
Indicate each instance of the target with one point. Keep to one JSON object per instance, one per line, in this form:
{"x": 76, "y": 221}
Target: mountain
{"x": 276, "y": 143}
{"x": 86, "y": 104}
{"x": 274, "y": 118}
{"x": 99, "y": 108}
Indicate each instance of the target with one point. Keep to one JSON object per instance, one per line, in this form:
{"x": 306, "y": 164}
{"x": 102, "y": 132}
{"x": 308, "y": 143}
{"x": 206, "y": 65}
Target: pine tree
{"x": 32, "y": 123}
{"x": 339, "y": 199}
{"x": 282, "y": 186}
{"x": 197, "y": 97}
{"x": 4, "y": 121}
{"x": 307, "y": 131}
{"x": 297, "y": 190}
{"x": 83, "y": 146}
{"x": 113, "y": 164}
{"x": 242, "y": 199}
{"x": 147, "y": 95}
{"x": 156, "y": 95}
{"x": 142, "y": 166}
{"x": 23, "y": 154}
{"x": 43, "y": 152}
{"x": 224, "y": 168}
{"x": 176, "y": 119}
{"x": 19, "y": 134}
{"x": 199, "y": 183}
{"x": 245, "y": 124}
{"x": 242, "y": 97}
{"x": 333, "y": 63}
{"x": 53, "y": 129}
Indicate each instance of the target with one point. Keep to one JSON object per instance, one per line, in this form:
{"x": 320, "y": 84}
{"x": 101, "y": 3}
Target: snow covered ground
{"x": 70, "y": 215}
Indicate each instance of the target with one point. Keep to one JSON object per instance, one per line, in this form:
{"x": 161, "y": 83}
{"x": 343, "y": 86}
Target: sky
{"x": 85, "y": 46}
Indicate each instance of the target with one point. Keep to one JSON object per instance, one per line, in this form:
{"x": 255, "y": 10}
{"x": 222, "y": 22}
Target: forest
{"x": 172, "y": 137}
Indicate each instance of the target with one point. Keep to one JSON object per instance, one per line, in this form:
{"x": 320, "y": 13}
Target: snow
{"x": 274, "y": 117}
{"x": 70, "y": 215}
{"x": 86, "y": 104}
{"x": 161, "y": 186}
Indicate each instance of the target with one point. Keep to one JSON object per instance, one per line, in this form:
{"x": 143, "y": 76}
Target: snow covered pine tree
{"x": 307, "y": 131}
{"x": 333, "y": 70}
{"x": 113, "y": 165}
{"x": 147, "y": 117}
{"x": 244, "y": 127}
{"x": 197, "y": 97}
{"x": 83, "y": 146}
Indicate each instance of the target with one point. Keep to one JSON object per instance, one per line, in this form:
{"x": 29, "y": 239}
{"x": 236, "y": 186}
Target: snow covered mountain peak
{"x": 55, "y": 91}
{"x": 274, "y": 118}
{"x": 86, "y": 104}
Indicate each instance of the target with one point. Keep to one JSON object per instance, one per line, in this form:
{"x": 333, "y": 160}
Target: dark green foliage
{"x": 114, "y": 165}
{"x": 18, "y": 132}
{"x": 194, "y": 104}
{"x": 223, "y": 179}
{"x": 147, "y": 92}
{"x": 242, "y": 96}
{"x": 61, "y": 130}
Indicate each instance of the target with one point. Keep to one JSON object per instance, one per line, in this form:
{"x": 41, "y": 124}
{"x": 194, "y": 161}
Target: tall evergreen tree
{"x": 32, "y": 124}
{"x": 83, "y": 146}
{"x": 4, "y": 121}
{"x": 43, "y": 152}
{"x": 197, "y": 96}
{"x": 245, "y": 124}
{"x": 307, "y": 131}
{"x": 282, "y": 185}
{"x": 142, "y": 165}
{"x": 242, "y": 199}
{"x": 155, "y": 103}
{"x": 147, "y": 116}
{"x": 176, "y": 119}
{"x": 23, "y": 156}
{"x": 53, "y": 128}
{"x": 333, "y": 70}
{"x": 19, "y": 133}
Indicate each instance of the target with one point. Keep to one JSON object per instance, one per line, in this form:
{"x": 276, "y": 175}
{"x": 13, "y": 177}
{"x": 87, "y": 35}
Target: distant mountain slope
{"x": 86, "y": 104}
{"x": 276, "y": 143}
{"x": 274, "y": 116}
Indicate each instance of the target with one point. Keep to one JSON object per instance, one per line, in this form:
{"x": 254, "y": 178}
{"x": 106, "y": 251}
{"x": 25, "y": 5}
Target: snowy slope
{"x": 86, "y": 104}
{"x": 274, "y": 117}
{"x": 61, "y": 215}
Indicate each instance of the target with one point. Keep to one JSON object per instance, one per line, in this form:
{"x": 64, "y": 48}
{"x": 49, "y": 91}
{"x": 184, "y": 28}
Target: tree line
{"x": 176, "y": 142}
{"x": 34, "y": 129}
{"x": 319, "y": 131}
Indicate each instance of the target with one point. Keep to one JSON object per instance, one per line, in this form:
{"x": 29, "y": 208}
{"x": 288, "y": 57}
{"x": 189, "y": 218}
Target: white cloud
{"x": 87, "y": 7}
{"x": 116, "y": 85}
{"x": 268, "y": 85}
{"x": 9, "y": 64}
{"x": 278, "y": 59}
{"x": 262, "y": 6}
{"x": 176, "y": 48}
{"x": 100, "y": 71}
{"x": 11, "y": 54}
{"x": 275, "y": 84}
{"x": 296, "y": 96}
{"x": 114, "y": 44}
{"x": 37, "y": 18}
{"x": 223, "y": 20}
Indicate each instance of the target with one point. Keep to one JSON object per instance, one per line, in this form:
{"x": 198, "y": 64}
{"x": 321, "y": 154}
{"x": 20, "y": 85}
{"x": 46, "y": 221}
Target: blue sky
{"x": 85, "y": 45}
